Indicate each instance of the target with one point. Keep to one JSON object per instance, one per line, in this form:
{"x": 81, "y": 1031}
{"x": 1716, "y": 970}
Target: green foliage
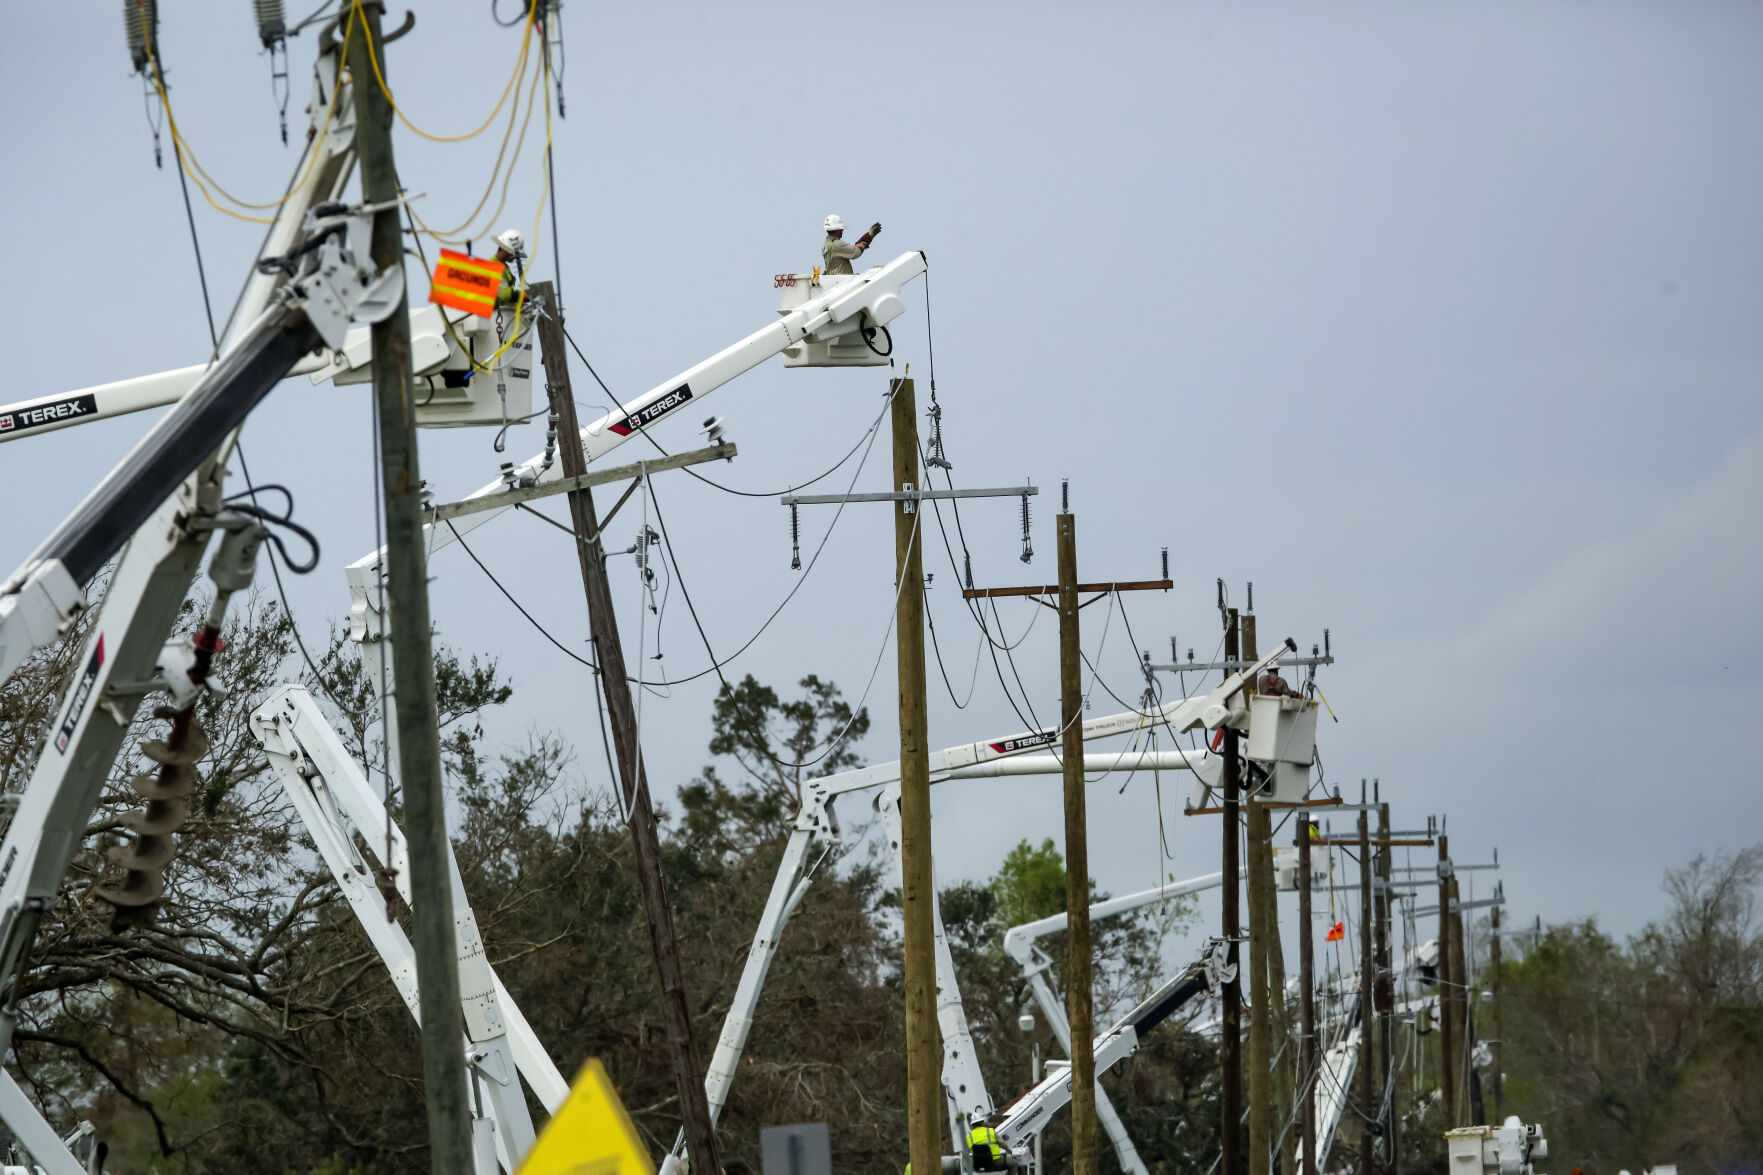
{"x": 1030, "y": 884}
{"x": 1651, "y": 1051}
{"x": 779, "y": 743}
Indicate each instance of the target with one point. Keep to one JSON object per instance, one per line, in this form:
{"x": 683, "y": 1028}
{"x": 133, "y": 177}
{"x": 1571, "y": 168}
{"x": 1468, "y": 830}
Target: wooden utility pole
{"x": 1261, "y": 993}
{"x": 1230, "y": 1093}
{"x": 1367, "y": 1000}
{"x": 1446, "y": 987}
{"x": 404, "y": 571}
{"x": 1078, "y": 995}
{"x": 614, "y": 685}
{"x": 1494, "y": 1043}
{"x": 1263, "y": 926}
{"x": 1386, "y": 1017}
{"x": 1306, "y": 997}
{"x": 1077, "y": 862}
{"x": 924, "y": 1062}
{"x": 1460, "y": 1012}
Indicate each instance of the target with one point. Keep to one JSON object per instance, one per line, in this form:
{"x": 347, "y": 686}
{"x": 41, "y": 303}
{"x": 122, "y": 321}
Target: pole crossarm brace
{"x": 1333, "y": 805}
{"x": 1137, "y": 585}
{"x": 905, "y": 496}
{"x": 1233, "y": 665}
{"x": 1353, "y": 842}
{"x": 723, "y": 452}
{"x": 1458, "y": 906}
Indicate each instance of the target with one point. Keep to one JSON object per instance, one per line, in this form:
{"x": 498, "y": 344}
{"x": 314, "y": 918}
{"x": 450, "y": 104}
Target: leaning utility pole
{"x": 1306, "y": 996}
{"x": 1495, "y": 1043}
{"x": 1448, "y": 980}
{"x": 404, "y": 572}
{"x": 1386, "y": 1017}
{"x": 924, "y": 1062}
{"x": 1367, "y": 998}
{"x": 614, "y": 685}
{"x": 1077, "y": 861}
{"x": 1230, "y": 1093}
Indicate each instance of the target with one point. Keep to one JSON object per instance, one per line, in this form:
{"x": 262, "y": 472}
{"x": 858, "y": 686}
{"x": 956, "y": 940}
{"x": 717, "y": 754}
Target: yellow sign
{"x": 590, "y": 1134}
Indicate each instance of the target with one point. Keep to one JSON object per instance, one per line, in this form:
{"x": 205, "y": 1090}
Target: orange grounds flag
{"x": 1338, "y": 931}
{"x": 466, "y": 283}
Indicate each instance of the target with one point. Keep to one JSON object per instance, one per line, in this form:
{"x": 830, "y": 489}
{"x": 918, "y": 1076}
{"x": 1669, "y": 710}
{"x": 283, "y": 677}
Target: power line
{"x": 619, "y": 404}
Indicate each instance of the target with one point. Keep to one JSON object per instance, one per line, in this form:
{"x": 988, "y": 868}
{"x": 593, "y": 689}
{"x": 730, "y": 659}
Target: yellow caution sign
{"x": 466, "y": 283}
{"x": 590, "y": 1134}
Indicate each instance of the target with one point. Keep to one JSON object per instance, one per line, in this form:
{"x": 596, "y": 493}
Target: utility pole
{"x": 1446, "y": 986}
{"x": 1495, "y": 1044}
{"x": 1230, "y": 1094}
{"x": 404, "y": 572}
{"x": 1078, "y": 996}
{"x": 1387, "y": 1026}
{"x": 688, "y": 1072}
{"x": 1263, "y": 928}
{"x": 924, "y": 1082}
{"x": 1306, "y": 996}
{"x": 924, "y": 1086}
{"x": 1465, "y": 1079}
{"x": 1367, "y": 996}
{"x": 1077, "y": 861}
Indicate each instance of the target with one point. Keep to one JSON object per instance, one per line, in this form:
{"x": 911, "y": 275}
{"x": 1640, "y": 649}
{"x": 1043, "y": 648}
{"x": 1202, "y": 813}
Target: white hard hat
{"x": 833, "y": 222}
{"x": 511, "y": 240}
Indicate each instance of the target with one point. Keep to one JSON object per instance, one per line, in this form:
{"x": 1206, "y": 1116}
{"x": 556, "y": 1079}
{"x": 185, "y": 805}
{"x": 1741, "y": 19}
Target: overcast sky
{"x": 1438, "y": 323}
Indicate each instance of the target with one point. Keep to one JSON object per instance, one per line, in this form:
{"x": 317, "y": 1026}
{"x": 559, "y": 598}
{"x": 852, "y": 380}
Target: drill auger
{"x": 155, "y": 825}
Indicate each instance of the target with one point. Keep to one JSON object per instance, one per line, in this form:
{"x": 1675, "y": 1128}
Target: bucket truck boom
{"x": 1021, "y": 943}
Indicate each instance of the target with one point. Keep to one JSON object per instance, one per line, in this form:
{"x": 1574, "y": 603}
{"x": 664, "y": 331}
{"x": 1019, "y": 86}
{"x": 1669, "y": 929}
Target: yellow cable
{"x": 538, "y": 214}
{"x": 520, "y": 65}
{"x": 456, "y": 235}
{"x": 180, "y": 144}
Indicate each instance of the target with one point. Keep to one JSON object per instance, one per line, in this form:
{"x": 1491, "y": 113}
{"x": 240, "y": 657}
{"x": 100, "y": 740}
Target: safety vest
{"x": 988, "y": 1152}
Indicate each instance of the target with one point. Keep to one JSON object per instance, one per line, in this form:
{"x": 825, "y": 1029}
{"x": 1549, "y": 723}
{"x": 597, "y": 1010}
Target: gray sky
{"x": 1438, "y": 323}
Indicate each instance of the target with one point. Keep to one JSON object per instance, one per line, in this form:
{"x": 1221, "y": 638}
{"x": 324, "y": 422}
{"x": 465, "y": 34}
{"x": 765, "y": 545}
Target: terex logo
{"x": 1039, "y": 738}
{"x": 650, "y": 413}
{"x": 38, "y": 415}
{"x": 81, "y": 695}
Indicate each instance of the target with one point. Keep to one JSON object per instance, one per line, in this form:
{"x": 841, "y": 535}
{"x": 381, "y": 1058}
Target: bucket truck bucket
{"x": 1285, "y": 868}
{"x": 463, "y": 374}
{"x": 861, "y": 340}
{"x": 1282, "y": 730}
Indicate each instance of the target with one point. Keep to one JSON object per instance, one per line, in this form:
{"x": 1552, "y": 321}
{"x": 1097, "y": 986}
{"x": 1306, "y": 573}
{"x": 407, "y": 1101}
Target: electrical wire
{"x": 156, "y": 75}
{"x": 619, "y": 406}
{"x": 509, "y": 596}
{"x": 282, "y": 592}
{"x": 520, "y": 64}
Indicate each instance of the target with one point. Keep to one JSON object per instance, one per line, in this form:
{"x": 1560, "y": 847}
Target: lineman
{"x": 511, "y": 252}
{"x": 982, "y": 1142}
{"x": 836, "y": 253}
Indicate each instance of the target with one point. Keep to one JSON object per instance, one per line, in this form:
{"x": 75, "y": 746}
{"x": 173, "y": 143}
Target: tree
{"x": 1646, "y": 1052}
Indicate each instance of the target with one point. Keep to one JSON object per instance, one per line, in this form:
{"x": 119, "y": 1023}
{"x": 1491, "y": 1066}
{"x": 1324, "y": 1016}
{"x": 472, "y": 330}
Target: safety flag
{"x": 1338, "y": 931}
{"x": 466, "y": 283}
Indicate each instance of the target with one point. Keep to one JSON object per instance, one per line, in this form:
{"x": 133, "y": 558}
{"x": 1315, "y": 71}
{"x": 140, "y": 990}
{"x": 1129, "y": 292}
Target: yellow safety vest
{"x": 983, "y": 1142}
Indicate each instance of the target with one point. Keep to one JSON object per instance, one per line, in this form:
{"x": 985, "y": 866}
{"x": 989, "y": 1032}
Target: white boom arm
{"x": 1020, "y": 943}
{"x": 162, "y": 533}
{"x": 965, "y": 1098}
{"x": 874, "y": 295}
{"x": 817, "y": 824}
{"x": 329, "y": 791}
{"x": 1029, "y": 1114}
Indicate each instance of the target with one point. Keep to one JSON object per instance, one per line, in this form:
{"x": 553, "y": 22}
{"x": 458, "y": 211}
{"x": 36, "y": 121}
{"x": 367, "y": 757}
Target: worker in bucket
{"x": 982, "y": 1143}
{"x": 1272, "y": 685}
{"x": 837, "y": 253}
{"x": 511, "y": 252}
